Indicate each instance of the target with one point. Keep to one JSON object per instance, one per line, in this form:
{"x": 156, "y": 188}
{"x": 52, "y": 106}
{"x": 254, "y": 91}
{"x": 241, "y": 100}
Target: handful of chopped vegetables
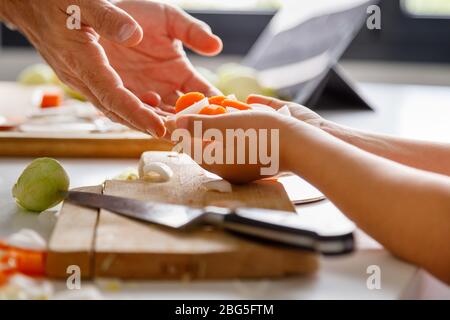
{"x": 197, "y": 103}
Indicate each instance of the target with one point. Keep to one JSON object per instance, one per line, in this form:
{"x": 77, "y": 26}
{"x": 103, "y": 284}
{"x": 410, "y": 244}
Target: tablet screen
{"x": 303, "y": 41}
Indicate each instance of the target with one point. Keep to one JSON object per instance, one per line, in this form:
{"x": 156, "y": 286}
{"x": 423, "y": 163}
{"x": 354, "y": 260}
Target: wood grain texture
{"x": 93, "y": 146}
{"x": 16, "y": 103}
{"x": 72, "y": 239}
{"x": 128, "y": 249}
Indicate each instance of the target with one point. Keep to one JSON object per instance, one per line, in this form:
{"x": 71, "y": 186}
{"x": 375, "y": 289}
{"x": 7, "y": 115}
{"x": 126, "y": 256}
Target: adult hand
{"x": 77, "y": 57}
{"x": 157, "y": 69}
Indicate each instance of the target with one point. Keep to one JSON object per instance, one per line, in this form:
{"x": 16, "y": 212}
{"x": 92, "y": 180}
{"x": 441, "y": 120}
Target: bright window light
{"x": 427, "y": 7}
{"x": 227, "y": 5}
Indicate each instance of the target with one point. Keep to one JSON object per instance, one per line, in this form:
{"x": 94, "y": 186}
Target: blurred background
{"x": 413, "y": 45}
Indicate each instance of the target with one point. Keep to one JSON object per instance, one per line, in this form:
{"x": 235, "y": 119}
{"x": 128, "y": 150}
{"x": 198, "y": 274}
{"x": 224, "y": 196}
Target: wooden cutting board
{"x": 16, "y": 102}
{"x": 105, "y": 244}
{"x": 81, "y": 145}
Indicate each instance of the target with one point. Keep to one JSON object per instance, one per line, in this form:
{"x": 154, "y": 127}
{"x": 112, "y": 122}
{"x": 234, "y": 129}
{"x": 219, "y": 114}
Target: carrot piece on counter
{"x": 236, "y": 104}
{"x": 3, "y": 278}
{"x": 213, "y": 110}
{"x": 217, "y": 100}
{"x": 31, "y": 263}
{"x": 28, "y": 262}
{"x": 51, "y": 99}
{"x": 187, "y": 100}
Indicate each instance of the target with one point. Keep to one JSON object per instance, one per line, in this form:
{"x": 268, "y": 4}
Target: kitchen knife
{"x": 294, "y": 230}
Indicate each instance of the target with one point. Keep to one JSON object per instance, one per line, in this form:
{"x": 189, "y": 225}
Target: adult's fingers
{"x": 106, "y": 85}
{"x": 199, "y": 84}
{"x": 79, "y": 86}
{"x": 151, "y": 98}
{"x": 194, "y": 33}
{"x": 110, "y": 22}
{"x": 268, "y": 101}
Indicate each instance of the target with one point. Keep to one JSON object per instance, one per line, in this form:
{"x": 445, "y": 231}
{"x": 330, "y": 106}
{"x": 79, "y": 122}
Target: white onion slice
{"x": 231, "y": 109}
{"x": 27, "y": 239}
{"x": 221, "y": 186}
{"x": 128, "y": 174}
{"x": 195, "y": 108}
{"x": 232, "y": 97}
{"x": 87, "y": 292}
{"x": 22, "y": 287}
{"x": 157, "y": 172}
{"x": 284, "y": 110}
{"x": 262, "y": 107}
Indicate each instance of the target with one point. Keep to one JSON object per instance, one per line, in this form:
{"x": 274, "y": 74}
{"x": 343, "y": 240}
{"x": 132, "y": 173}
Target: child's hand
{"x": 298, "y": 111}
{"x": 272, "y": 127}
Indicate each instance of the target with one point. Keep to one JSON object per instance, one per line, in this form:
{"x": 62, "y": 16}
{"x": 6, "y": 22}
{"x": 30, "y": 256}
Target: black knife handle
{"x": 287, "y": 232}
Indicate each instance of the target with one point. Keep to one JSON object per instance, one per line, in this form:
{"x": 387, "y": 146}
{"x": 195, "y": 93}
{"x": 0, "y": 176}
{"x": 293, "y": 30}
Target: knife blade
{"x": 170, "y": 215}
{"x": 274, "y": 226}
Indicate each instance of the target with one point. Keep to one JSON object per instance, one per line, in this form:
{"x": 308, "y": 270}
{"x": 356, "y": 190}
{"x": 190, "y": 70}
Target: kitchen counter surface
{"x": 413, "y": 111}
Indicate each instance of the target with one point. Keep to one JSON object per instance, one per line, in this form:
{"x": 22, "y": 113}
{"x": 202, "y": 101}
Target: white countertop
{"x": 413, "y": 111}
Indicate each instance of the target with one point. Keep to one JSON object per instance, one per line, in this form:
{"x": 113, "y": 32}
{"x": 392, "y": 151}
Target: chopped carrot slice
{"x": 236, "y": 104}
{"x": 3, "y": 246}
{"x": 213, "y": 110}
{"x": 187, "y": 100}
{"x": 217, "y": 100}
{"x": 51, "y": 99}
{"x": 28, "y": 262}
{"x": 3, "y": 278}
{"x": 31, "y": 263}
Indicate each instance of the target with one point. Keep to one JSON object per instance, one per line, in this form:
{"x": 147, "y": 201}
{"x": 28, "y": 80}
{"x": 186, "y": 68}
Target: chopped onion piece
{"x": 109, "y": 284}
{"x": 86, "y": 292}
{"x": 157, "y": 172}
{"x": 231, "y": 109}
{"x": 284, "y": 110}
{"x": 195, "y": 108}
{"x": 128, "y": 174}
{"x": 262, "y": 107}
{"x": 27, "y": 239}
{"x": 221, "y": 186}
{"x": 21, "y": 287}
{"x": 232, "y": 97}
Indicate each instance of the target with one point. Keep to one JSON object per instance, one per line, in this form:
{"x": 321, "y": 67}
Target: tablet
{"x": 303, "y": 42}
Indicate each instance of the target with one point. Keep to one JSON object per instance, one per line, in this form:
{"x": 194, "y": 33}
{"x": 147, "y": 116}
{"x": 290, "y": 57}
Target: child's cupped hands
{"x": 239, "y": 146}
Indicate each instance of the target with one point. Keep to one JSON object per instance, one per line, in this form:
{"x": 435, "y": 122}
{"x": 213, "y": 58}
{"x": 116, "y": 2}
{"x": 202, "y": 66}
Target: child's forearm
{"x": 395, "y": 204}
{"x": 427, "y": 156}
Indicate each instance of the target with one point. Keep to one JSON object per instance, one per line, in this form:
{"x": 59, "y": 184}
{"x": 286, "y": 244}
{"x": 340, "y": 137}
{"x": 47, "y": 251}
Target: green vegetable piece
{"x": 37, "y": 74}
{"x": 41, "y": 185}
{"x": 241, "y": 81}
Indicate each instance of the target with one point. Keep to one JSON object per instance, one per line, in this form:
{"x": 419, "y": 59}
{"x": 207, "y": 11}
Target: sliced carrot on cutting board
{"x": 213, "y": 110}
{"x": 236, "y": 104}
{"x": 187, "y": 100}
